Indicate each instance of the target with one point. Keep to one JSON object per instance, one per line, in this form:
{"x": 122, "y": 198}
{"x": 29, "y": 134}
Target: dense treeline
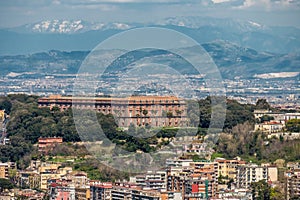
{"x": 236, "y": 113}
{"x": 30, "y": 122}
{"x": 254, "y": 146}
{"x": 293, "y": 125}
{"x": 27, "y": 123}
{"x": 5, "y": 104}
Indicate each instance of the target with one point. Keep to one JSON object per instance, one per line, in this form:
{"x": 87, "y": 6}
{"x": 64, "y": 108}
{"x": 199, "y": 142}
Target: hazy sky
{"x": 268, "y": 12}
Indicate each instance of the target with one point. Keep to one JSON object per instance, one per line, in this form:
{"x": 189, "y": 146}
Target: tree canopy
{"x": 293, "y": 125}
{"x": 262, "y": 104}
{"x": 199, "y": 113}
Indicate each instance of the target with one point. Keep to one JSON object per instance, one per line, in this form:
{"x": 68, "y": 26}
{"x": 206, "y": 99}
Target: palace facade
{"x": 139, "y": 110}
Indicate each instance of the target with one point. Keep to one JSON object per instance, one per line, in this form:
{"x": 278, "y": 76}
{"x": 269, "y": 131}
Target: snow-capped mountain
{"x": 81, "y": 26}
{"x": 71, "y": 35}
{"x": 198, "y": 22}
{"x": 68, "y": 26}
{"x": 57, "y": 26}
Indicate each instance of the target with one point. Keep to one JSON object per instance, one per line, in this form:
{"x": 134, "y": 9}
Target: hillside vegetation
{"x": 27, "y": 123}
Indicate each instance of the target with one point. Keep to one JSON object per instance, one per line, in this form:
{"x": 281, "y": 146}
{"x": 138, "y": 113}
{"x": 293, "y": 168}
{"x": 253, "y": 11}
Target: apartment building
{"x": 154, "y": 180}
{"x": 205, "y": 178}
{"x": 269, "y": 127}
{"x": 49, "y": 171}
{"x": 278, "y": 116}
{"x": 62, "y": 190}
{"x": 176, "y": 179}
{"x": 47, "y": 144}
{"x": 227, "y": 168}
{"x": 100, "y": 190}
{"x": 81, "y": 183}
{"x": 4, "y": 170}
{"x": 29, "y": 179}
{"x": 247, "y": 174}
{"x": 289, "y": 116}
{"x": 293, "y": 183}
{"x": 195, "y": 147}
{"x": 121, "y": 191}
{"x": 176, "y": 162}
{"x": 196, "y": 181}
{"x": 170, "y": 195}
{"x": 5, "y": 167}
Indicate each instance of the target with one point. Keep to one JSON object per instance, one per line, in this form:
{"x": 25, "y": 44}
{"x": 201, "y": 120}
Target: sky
{"x": 268, "y": 12}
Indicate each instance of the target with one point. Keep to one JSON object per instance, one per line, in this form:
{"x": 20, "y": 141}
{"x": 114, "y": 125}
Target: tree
{"x": 200, "y": 113}
{"x": 178, "y": 112}
{"x": 145, "y": 112}
{"x": 132, "y": 129}
{"x": 231, "y": 181}
{"x": 6, "y": 105}
{"x": 260, "y": 190}
{"x": 293, "y": 125}
{"x": 276, "y": 193}
{"x": 5, "y": 184}
{"x": 12, "y": 174}
{"x": 196, "y": 158}
{"x": 294, "y": 198}
{"x": 147, "y": 126}
{"x": 169, "y": 114}
{"x": 141, "y": 132}
{"x": 266, "y": 118}
{"x": 262, "y": 104}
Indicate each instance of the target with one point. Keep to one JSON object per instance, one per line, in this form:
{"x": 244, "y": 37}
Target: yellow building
{"x": 2, "y": 114}
{"x": 82, "y": 193}
{"x": 81, "y": 183}
{"x": 4, "y": 170}
{"x": 48, "y": 171}
{"x": 51, "y": 171}
{"x": 45, "y": 177}
{"x": 227, "y": 168}
{"x": 269, "y": 127}
{"x": 29, "y": 179}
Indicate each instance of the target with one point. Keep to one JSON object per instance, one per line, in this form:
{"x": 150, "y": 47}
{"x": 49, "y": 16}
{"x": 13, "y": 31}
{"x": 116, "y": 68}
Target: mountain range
{"x": 68, "y": 27}
{"x": 231, "y": 59}
{"x": 80, "y": 35}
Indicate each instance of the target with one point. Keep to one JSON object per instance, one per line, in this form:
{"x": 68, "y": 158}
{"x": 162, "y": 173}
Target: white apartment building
{"x": 151, "y": 180}
{"x": 247, "y": 174}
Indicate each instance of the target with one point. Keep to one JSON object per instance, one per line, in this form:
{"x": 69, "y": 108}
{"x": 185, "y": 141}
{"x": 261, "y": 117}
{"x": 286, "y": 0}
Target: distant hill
{"x": 232, "y": 60}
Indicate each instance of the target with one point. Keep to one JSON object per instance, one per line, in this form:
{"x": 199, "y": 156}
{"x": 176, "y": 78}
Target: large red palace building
{"x": 139, "y": 110}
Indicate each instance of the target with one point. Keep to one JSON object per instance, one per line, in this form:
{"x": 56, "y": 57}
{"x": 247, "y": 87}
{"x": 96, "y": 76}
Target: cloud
{"x": 220, "y": 1}
{"x": 56, "y": 2}
{"x": 101, "y": 7}
{"x": 120, "y": 1}
{"x": 269, "y": 4}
